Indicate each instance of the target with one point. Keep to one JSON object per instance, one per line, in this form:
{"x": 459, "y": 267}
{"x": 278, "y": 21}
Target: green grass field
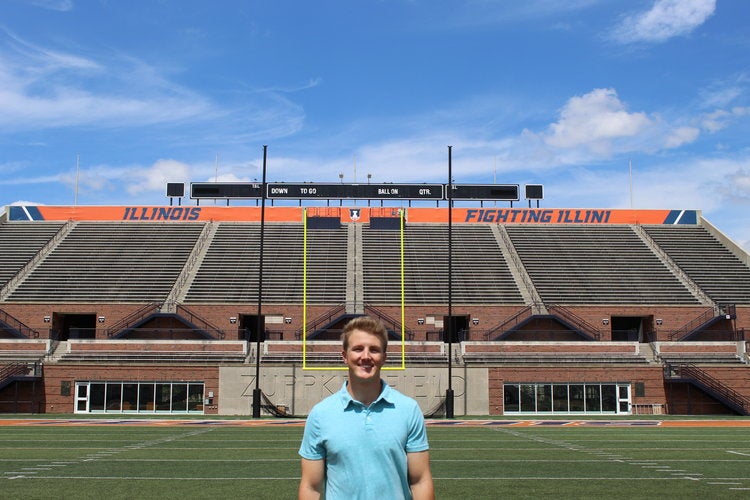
{"x": 496, "y": 461}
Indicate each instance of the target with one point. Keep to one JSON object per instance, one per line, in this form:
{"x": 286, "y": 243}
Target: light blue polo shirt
{"x": 365, "y": 447}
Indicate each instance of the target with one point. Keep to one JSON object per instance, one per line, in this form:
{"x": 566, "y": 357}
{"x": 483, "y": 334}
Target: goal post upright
{"x": 304, "y": 289}
{"x": 402, "y": 284}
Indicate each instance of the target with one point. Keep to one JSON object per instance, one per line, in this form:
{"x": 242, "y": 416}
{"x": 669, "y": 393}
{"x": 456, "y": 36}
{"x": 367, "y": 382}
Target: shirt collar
{"x": 386, "y": 394}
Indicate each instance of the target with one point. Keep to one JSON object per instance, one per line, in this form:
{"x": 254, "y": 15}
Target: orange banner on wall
{"x": 353, "y": 214}
{"x": 552, "y": 216}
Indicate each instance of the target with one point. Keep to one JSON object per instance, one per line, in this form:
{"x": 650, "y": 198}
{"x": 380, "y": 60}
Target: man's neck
{"x": 365, "y": 392}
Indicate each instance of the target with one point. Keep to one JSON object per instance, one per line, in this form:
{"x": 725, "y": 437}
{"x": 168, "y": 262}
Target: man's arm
{"x": 313, "y": 479}
{"x": 420, "y": 476}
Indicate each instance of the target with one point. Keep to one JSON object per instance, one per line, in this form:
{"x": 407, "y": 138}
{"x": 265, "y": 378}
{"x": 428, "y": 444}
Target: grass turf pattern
{"x": 164, "y": 462}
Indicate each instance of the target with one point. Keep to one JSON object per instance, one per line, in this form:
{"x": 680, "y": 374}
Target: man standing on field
{"x": 367, "y": 441}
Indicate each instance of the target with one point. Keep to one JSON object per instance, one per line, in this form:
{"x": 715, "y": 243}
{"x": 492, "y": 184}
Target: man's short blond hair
{"x": 365, "y": 324}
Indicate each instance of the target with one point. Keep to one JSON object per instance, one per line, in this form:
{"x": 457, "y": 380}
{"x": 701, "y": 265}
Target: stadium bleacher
{"x": 595, "y": 265}
{"x": 713, "y": 267}
{"x": 20, "y": 243}
{"x": 111, "y": 262}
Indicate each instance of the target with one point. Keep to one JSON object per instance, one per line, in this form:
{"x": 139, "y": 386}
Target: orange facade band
{"x": 352, "y": 214}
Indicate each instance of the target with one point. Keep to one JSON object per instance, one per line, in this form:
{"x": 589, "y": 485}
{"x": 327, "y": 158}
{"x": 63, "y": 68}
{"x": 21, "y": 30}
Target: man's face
{"x": 365, "y": 356}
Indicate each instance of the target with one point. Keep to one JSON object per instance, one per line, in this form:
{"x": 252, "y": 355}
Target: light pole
{"x": 259, "y": 324}
{"x": 449, "y": 330}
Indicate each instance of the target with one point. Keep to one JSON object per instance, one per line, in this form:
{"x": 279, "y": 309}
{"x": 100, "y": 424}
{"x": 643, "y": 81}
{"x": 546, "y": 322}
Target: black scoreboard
{"x": 226, "y": 190}
{"x": 342, "y": 191}
{"x": 507, "y": 192}
{"x": 292, "y": 191}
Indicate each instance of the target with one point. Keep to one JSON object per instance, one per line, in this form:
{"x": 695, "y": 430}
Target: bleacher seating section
{"x": 480, "y": 273}
{"x": 719, "y": 273}
{"x": 111, "y": 262}
{"x": 595, "y": 265}
{"x": 229, "y": 272}
{"x": 20, "y": 242}
{"x": 573, "y": 265}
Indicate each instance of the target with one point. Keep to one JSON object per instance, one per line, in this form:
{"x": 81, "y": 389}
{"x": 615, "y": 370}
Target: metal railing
{"x": 323, "y": 319}
{"x": 712, "y": 385}
{"x": 199, "y": 322}
{"x": 518, "y": 318}
{"x": 134, "y": 318}
{"x": 11, "y": 370}
{"x": 703, "y": 319}
{"x": 14, "y": 325}
{"x": 581, "y": 324}
{"x": 388, "y": 321}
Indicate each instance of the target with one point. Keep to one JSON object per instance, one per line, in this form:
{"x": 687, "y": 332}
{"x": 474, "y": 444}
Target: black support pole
{"x": 449, "y": 329}
{"x": 259, "y": 325}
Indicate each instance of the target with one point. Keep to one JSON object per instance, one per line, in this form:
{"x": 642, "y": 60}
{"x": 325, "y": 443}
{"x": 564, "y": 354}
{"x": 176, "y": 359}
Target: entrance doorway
{"x": 632, "y": 328}
{"x": 248, "y": 325}
{"x": 66, "y": 326}
{"x": 458, "y": 325}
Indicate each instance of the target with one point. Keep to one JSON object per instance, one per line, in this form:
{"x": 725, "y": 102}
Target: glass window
{"x": 576, "y": 397}
{"x": 559, "y": 398}
{"x": 96, "y": 397}
{"x": 114, "y": 397}
{"x": 146, "y": 397}
{"x": 195, "y": 397}
{"x": 566, "y": 398}
{"x": 179, "y": 397}
{"x": 510, "y": 398}
{"x": 528, "y": 397}
{"x": 544, "y": 397}
{"x": 163, "y": 397}
{"x": 129, "y": 397}
{"x": 593, "y": 398}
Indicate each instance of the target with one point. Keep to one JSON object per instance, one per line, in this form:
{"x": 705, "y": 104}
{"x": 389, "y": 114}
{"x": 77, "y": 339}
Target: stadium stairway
{"x": 190, "y": 269}
{"x": 523, "y": 280}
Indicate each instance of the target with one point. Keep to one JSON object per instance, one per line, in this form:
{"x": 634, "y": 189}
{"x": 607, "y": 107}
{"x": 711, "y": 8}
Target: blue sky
{"x": 563, "y": 93}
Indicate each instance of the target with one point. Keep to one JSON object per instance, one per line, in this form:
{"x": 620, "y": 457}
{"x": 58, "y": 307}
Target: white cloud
{"x": 595, "y": 120}
{"x": 666, "y": 19}
{"x": 155, "y": 177}
{"x": 737, "y": 184}
{"x": 598, "y": 125}
{"x": 681, "y": 136}
{"x": 720, "y": 118}
{"x": 18, "y": 203}
{"x": 59, "y": 5}
{"x": 42, "y": 88}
